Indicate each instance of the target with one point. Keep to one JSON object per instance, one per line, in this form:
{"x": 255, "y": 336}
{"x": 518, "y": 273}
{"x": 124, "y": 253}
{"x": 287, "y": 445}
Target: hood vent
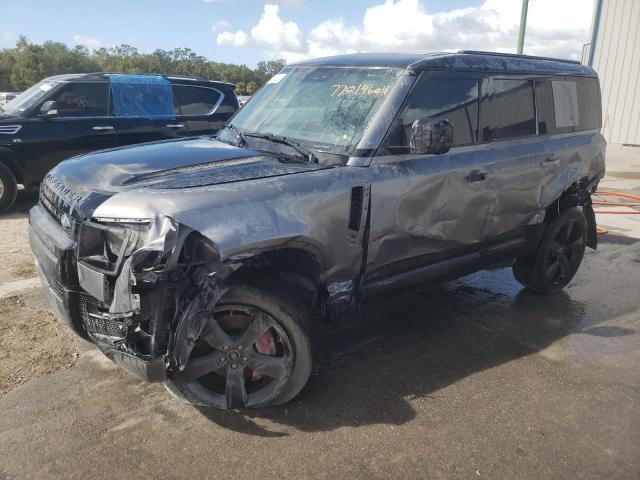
{"x": 192, "y": 169}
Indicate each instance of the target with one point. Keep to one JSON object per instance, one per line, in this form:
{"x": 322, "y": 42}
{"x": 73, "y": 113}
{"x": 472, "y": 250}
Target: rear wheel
{"x": 254, "y": 351}
{"x": 8, "y": 188}
{"x": 559, "y": 255}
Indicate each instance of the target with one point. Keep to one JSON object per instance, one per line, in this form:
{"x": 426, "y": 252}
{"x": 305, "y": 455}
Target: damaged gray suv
{"x": 205, "y": 263}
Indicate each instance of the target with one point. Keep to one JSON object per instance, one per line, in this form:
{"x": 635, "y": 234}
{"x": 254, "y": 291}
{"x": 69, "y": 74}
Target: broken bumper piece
{"x": 128, "y": 318}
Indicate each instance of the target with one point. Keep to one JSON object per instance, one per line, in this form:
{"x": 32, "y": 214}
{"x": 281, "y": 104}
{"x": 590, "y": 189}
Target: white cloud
{"x": 237, "y": 39}
{"x": 554, "y": 28}
{"x": 90, "y": 43}
{"x": 276, "y": 34}
{"x": 220, "y": 25}
{"x": 270, "y": 32}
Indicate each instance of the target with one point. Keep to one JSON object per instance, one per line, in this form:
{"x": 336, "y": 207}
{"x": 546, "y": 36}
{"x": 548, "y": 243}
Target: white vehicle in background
{"x": 6, "y": 97}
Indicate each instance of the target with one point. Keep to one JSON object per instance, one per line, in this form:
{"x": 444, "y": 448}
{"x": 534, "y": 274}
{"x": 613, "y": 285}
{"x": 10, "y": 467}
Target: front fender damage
{"x": 198, "y": 290}
{"x": 147, "y": 316}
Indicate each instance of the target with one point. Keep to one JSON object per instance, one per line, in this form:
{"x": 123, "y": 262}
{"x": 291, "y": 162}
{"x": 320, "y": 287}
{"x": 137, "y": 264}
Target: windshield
{"x": 28, "y": 98}
{"x": 323, "y": 108}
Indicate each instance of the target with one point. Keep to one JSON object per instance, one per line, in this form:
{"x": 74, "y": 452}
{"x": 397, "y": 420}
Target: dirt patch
{"x": 26, "y": 270}
{"x": 16, "y": 257}
{"x": 33, "y": 342}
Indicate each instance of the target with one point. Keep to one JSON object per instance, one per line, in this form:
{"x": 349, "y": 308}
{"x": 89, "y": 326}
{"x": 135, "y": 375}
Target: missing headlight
{"x": 105, "y": 244}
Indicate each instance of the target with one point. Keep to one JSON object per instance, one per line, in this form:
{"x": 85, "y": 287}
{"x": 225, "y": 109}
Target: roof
{"x": 101, "y": 76}
{"x": 470, "y": 61}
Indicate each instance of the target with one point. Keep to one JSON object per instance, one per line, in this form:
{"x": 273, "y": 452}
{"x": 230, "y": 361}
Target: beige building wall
{"x": 616, "y": 58}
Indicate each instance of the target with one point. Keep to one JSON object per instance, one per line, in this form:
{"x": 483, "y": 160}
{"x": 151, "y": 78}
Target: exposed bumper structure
{"x": 134, "y": 340}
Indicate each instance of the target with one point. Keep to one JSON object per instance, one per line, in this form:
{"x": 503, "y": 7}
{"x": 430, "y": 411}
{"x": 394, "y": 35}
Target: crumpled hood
{"x": 88, "y": 180}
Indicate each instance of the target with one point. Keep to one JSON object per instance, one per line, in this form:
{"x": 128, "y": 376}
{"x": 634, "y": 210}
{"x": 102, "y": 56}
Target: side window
{"x": 82, "y": 100}
{"x": 567, "y": 104}
{"x": 565, "y": 101}
{"x": 507, "y": 109}
{"x": 589, "y": 103}
{"x": 142, "y": 97}
{"x": 455, "y": 99}
{"x": 195, "y": 100}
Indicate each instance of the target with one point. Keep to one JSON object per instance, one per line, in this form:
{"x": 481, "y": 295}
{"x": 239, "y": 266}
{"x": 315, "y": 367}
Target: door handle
{"x": 103, "y": 127}
{"x": 550, "y": 162}
{"x": 175, "y": 125}
{"x": 476, "y": 176}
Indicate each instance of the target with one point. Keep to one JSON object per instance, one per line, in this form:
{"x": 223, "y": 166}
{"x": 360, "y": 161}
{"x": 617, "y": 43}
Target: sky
{"x": 248, "y": 31}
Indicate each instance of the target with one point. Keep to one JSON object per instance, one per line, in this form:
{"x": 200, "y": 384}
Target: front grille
{"x": 96, "y": 322}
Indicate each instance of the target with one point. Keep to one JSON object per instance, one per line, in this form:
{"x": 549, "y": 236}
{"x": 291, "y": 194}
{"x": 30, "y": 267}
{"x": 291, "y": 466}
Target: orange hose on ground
{"x": 616, "y": 212}
{"x": 610, "y": 193}
{"x": 616, "y": 204}
{"x": 632, "y": 196}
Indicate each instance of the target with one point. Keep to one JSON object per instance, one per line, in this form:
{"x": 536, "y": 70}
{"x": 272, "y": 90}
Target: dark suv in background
{"x": 67, "y": 115}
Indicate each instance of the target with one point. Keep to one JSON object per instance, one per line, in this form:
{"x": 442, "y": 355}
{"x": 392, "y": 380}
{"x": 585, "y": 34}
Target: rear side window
{"x": 195, "y": 100}
{"x": 507, "y": 109}
{"x": 455, "y": 99}
{"x": 567, "y": 104}
{"x": 141, "y": 96}
{"x": 82, "y": 100}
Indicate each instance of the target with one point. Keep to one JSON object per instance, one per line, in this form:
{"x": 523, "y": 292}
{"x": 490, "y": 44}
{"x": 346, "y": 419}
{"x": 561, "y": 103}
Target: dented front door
{"x": 426, "y": 208}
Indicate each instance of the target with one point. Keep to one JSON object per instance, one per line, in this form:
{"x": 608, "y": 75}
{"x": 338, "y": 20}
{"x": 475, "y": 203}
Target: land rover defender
{"x": 204, "y": 263}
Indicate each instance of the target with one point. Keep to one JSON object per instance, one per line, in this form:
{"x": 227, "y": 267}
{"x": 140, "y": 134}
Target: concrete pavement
{"x": 477, "y": 379}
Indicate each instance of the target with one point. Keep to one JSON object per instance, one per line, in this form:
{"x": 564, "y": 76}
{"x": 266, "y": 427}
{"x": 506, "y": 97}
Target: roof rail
{"x": 529, "y": 57}
{"x": 182, "y": 77}
{"x": 188, "y": 77}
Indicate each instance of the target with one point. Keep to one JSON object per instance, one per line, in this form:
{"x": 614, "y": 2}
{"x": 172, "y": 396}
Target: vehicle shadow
{"x": 410, "y": 349}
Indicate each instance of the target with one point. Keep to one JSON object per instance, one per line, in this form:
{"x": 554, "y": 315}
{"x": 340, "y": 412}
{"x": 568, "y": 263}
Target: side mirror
{"x": 49, "y": 109}
{"x": 429, "y": 136}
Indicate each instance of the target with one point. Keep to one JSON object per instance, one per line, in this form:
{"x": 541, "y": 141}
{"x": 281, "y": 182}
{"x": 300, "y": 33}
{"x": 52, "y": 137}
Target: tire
{"x": 559, "y": 254}
{"x": 8, "y": 188}
{"x": 287, "y": 367}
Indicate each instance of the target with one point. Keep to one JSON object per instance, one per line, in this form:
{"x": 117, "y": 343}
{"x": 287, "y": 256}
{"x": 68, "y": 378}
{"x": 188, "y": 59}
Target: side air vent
{"x": 10, "y": 129}
{"x": 355, "y": 215}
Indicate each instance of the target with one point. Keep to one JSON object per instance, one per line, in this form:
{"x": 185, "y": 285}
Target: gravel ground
{"x": 32, "y": 341}
{"x": 15, "y": 255}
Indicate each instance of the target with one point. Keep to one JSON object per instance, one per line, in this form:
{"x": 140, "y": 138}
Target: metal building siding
{"x": 617, "y": 61}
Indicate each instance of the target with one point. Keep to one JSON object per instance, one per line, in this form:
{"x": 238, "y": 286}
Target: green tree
{"x": 28, "y": 63}
{"x": 251, "y": 88}
{"x": 270, "y": 68}
{"x": 241, "y": 88}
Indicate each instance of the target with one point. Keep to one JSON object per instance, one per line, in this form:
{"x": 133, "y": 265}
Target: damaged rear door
{"x": 519, "y": 163}
{"x": 428, "y": 208}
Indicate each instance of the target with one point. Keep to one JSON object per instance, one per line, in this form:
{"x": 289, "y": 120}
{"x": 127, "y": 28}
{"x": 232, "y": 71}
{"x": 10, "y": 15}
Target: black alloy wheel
{"x": 245, "y": 356}
{"x": 559, "y": 255}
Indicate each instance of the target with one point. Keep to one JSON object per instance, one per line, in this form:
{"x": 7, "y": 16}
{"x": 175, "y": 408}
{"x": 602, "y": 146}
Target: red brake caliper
{"x": 266, "y": 345}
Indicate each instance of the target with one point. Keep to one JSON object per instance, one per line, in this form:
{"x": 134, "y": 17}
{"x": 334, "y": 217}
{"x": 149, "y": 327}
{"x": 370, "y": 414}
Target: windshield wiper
{"x": 305, "y": 152}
